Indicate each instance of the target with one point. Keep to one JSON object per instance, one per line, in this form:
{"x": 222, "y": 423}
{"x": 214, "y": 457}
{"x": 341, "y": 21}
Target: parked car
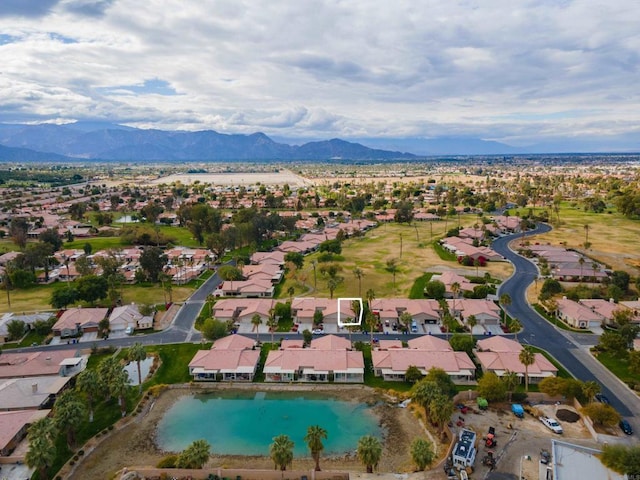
{"x": 602, "y": 398}
{"x": 552, "y": 424}
{"x": 318, "y": 331}
{"x": 625, "y": 426}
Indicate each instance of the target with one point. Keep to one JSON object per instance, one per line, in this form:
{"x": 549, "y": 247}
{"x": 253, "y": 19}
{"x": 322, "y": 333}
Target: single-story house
{"x": 252, "y": 288}
{"x": 450, "y": 278}
{"x": 79, "y": 320}
{"x": 426, "y": 352}
{"x": 421, "y": 310}
{"x": 499, "y": 355}
{"x": 14, "y": 427}
{"x": 128, "y": 317}
{"x": 231, "y": 358}
{"x": 485, "y": 311}
{"x": 33, "y": 364}
{"x": 314, "y": 365}
{"x": 31, "y": 393}
{"x": 578, "y": 315}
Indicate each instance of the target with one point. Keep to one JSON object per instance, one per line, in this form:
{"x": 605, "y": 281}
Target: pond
{"x": 244, "y": 423}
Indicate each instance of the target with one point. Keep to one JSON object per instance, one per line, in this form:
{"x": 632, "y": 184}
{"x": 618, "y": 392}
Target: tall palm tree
{"x": 256, "y": 321}
{"x": 195, "y": 455}
{"x": 369, "y": 452}
{"x": 455, "y": 289}
{"x": 371, "y": 296}
{"x": 581, "y": 262}
{"x": 137, "y": 353}
{"x": 42, "y": 450}
{"x": 472, "y": 321}
{"x": 272, "y": 322}
{"x": 595, "y": 267}
{"x": 68, "y": 414}
{"x": 586, "y": 235}
{"x": 527, "y": 358}
{"x": 359, "y": 273}
{"x": 313, "y": 438}
{"x": 89, "y": 382}
{"x": 392, "y": 266}
{"x": 281, "y": 451}
{"x": 505, "y": 301}
{"x": 424, "y": 392}
{"x": 371, "y": 321}
{"x": 515, "y": 327}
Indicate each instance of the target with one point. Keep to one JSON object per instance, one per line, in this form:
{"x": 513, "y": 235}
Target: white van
{"x": 414, "y": 326}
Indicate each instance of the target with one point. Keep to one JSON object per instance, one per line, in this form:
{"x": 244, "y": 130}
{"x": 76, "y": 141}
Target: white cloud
{"x": 493, "y": 68}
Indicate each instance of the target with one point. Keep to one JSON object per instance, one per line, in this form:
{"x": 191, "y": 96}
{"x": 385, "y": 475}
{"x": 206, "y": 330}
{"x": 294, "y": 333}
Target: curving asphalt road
{"x": 571, "y": 350}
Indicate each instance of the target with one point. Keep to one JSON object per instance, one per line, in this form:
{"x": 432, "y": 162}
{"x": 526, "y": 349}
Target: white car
{"x": 318, "y": 331}
{"x": 552, "y": 424}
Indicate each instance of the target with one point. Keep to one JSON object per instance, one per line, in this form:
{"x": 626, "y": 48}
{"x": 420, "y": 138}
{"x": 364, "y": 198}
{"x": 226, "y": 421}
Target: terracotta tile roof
{"x": 234, "y": 342}
{"x": 430, "y": 343}
{"x": 319, "y": 360}
{"x": 330, "y": 342}
{"x": 32, "y": 363}
{"x": 502, "y": 361}
{"x": 398, "y": 360}
{"x": 498, "y": 343}
{"x": 13, "y": 422}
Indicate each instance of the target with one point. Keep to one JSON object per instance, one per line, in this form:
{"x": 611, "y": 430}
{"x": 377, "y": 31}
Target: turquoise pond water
{"x": 245, "y": 423}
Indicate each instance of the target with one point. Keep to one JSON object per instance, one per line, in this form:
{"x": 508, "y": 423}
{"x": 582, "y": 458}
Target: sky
{"x": 519, "y": 72}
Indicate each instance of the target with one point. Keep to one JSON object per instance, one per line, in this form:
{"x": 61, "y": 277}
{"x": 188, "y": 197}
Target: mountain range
{"x": 101, "y": 141}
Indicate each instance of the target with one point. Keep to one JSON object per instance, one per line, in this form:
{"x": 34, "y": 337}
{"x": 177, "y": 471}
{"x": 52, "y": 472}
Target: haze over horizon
{"x": 539, "y": 75}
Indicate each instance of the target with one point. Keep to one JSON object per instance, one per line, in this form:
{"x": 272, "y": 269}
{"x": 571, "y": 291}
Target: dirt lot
{"x": 523, "y": 441}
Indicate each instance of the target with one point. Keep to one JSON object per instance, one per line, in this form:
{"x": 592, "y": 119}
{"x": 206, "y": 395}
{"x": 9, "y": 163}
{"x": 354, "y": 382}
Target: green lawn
{"x": 97, "y": 243}
{"x": 442, "y": 253}
{"x": 618, "y": 366}
{"x": 174, "y": 360}
{"x": 417, "y": 290}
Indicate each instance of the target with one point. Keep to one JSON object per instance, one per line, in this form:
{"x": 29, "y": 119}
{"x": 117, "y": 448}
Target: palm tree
{"x": 281, "y": 451}
{"x": 89, "y": 382}
{"x": 272, "y": 322}
{"x": 510, "y": 380}
{"x": 505, "y": 301}
{"x": 371, "y": 296}
{"x": 526, "y": 357}
{"x": 256, "y": 321}
{"x": 332, "y": 284}
{"x": 68, "y": 414}
{"x": 392, "y": 266}
{"x": 472, "y": 321}
{"x": 515, "y": 327}
{"x": 440, "y": 410}
{"x": 369, "y": 452}
{"x": 581, "y": 262}
{"x": 422, "y": 453}
{"x": 313, "y": 438}
{"x": 590, "y": 389}
{"x": 424, "y": 392}
{"x": 595, "y": 267}
{"x": 137, "y": 353}
{"x": 195, "y": 455}
{"x": 359, "y": 273}
{"x": 42, "y": 450}
{"x": 586, "y": 235}
{"x": 455, "y": 289}
{"x": 371, "y": 321}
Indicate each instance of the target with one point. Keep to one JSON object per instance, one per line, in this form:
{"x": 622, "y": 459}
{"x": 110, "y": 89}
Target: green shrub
{"x": 168, "y": 462}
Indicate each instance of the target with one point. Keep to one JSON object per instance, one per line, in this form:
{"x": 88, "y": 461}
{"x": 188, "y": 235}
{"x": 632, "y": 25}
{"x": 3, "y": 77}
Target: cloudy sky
{"x": 515, "y": 71}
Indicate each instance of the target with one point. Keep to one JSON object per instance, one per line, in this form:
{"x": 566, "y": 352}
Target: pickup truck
{"x": 551, "y": 424}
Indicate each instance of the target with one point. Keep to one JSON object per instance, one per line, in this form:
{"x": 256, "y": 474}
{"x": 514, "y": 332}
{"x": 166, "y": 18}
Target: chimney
{"x": 34, "y": 388}
{"x": 611, "y": 300}
{"x": 48, "y": 360}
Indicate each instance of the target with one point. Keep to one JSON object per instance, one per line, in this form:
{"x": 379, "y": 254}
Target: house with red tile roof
{"x": 315, "y": 365}
{"x": 424, "y": 352}
{"x": 485, "y": 311}
{"x": 449, "y": 278}
{"x": 231, "y": 358}
{"x": 252, "y": 288}
{"x": 14, "y": 428}
{"x": 421, "y": 310}
{"x": 275, "y": 257}
{"x": 33, "y": 364}
{"x": 501, "y": 355}
{"x": 304, "y": 308}
{"x": 578, "y": 315}
{"x": 605, "y": 308}
{"x": 79, "y": 320}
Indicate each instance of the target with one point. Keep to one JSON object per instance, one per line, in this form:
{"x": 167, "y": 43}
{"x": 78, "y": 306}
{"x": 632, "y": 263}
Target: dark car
{"x": 602, "y": 398}
{"x": 625, "y": 426}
